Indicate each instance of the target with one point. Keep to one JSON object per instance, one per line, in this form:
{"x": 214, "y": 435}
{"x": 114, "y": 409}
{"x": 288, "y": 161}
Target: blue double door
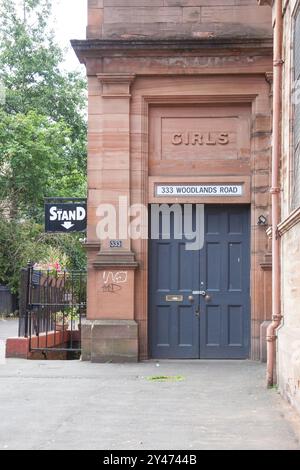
{"x": 199, "y": 301}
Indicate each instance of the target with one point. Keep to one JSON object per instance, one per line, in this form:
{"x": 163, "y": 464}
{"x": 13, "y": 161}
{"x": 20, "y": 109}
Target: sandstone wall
{"x": 288, "y": 347}
{"x": 130, "y": 19}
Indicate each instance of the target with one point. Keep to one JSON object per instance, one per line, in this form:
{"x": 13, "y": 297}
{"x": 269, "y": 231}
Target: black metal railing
{"x": 55, "y": 304}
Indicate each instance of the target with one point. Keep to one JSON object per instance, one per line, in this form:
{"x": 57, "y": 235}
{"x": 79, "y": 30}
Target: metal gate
{"x": 55, "y": 307}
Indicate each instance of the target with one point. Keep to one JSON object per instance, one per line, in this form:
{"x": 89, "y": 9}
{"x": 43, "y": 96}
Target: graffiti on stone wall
{"x": 113, "y": 281}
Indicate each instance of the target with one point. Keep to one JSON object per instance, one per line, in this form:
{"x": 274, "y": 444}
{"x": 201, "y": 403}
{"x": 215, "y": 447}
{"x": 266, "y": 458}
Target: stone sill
{"x": 107, "y": 46}
{"x": 118, "y": 259}
{"x": 292, "y": 220}
{"x": 287, "y": 224}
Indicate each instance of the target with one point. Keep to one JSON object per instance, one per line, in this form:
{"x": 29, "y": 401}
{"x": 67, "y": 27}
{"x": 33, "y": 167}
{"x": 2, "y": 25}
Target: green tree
{"x": 21, "y": 242}
{"x": 42, "y": 137}
{"x": 31, "y": 71}
{"x": 32, "y": 151}
{"x": 31, "y": 66}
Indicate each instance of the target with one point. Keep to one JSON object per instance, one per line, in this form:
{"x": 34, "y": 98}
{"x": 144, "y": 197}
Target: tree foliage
{"x": 42, "y": 134}
{"x": 32, "y": 153}
{"x": 31, "y": 66}
{"x": 21, "y": 242}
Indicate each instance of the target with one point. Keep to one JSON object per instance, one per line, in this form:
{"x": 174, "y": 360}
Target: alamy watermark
{"x": 178, "y": 221}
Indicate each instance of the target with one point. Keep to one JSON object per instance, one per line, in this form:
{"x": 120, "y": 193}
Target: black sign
{"x": 115, "y": 243}
{"x": 65, "y": 217}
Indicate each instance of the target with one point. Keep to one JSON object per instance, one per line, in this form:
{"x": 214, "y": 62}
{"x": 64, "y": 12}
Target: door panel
{"x": 222, "y": 270}
{"x": 225, "y": 271}
{"x": 173, "y": 271}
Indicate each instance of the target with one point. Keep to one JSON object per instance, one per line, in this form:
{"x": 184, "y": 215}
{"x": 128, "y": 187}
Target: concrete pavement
{"x": 75, "y": 405}
{"x": 8, "y": 328}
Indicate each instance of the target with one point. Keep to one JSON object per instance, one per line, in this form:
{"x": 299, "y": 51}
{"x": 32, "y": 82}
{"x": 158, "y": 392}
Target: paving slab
{"x": 201, "y": 405}
{"x": 8, "y": 328}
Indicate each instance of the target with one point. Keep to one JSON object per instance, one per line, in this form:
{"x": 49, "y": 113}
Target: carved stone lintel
{"x": 116, "y": 85}
{"x": 116, "y": 77}
{"x": 120, "y": 259}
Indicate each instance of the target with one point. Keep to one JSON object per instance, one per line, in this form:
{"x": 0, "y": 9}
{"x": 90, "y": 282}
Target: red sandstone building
{"x": 194, "y": 113}
{"x": 179, "y": 96}
{"x": 180, "y": 111}
{"x": 286, "y": 137}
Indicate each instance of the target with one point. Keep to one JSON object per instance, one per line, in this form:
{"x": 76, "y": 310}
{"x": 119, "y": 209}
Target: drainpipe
{"x": 275, "y": 192}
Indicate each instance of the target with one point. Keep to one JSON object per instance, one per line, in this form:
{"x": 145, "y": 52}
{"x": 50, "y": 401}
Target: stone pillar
{"x": 95, "y": 19}
{"x": 261, "y": 133}
{"x": 110, "y": 332}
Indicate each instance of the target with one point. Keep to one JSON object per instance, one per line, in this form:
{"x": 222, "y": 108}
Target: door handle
{"x": 206, "y": 296}
{"x": 197, "y": 311}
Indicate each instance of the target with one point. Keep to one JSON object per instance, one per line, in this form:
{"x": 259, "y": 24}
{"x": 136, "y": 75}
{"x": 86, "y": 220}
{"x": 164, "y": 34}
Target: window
{"x": 296, "y": 163}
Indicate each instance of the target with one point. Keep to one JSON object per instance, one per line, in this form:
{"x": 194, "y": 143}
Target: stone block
{"x": 110, "y": 341}
{"x": 191, "y": 14}
{"x": 95, "y": 3}
{"x": 86, "y": 341}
